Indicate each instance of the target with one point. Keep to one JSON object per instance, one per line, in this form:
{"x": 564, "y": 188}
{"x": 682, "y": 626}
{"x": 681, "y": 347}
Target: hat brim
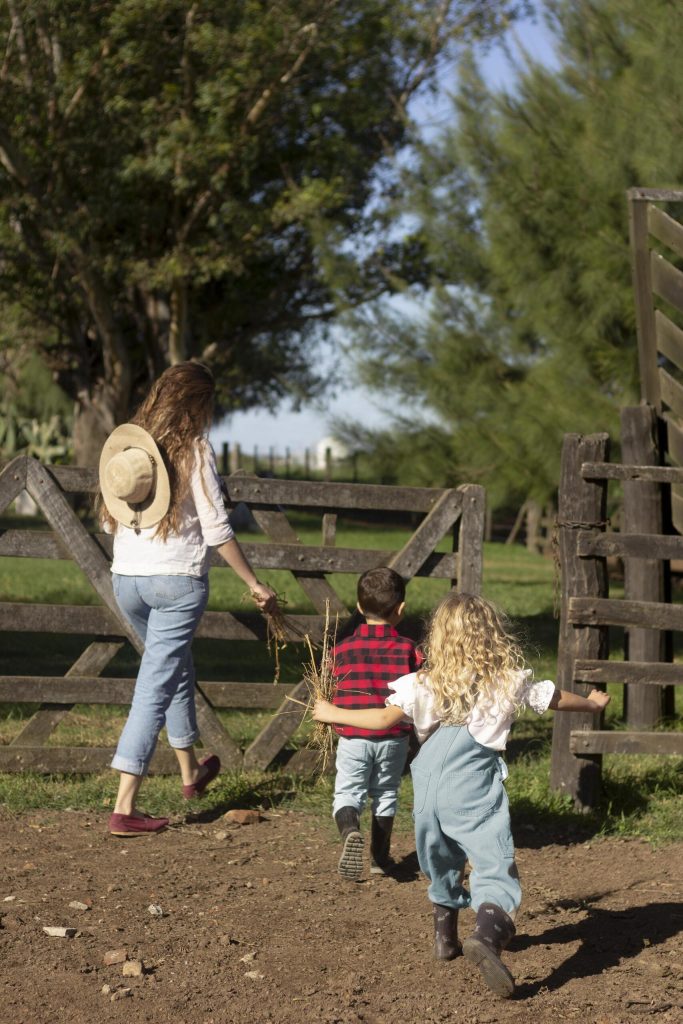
{"x": 153, "y": 509}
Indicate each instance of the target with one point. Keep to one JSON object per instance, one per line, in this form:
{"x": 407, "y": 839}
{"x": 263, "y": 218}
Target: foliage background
{"x": 526, "y": 328}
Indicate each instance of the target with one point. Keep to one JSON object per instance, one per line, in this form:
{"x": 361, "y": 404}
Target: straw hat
{"x": 133, "y": 478}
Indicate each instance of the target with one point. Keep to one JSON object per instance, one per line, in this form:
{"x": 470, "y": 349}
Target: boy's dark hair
{"x": 380, "y": 591}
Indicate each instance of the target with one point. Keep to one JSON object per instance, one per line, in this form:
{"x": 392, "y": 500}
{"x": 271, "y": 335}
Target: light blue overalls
{"x": 461, "y": 813}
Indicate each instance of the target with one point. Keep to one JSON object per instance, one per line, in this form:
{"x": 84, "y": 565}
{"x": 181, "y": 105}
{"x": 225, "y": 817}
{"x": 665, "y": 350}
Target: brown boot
{"x": 492, "y": 933}
{"x": 351, "y": 861}
{"x": 380, "y": 844}
{"x": 446, "y": 945}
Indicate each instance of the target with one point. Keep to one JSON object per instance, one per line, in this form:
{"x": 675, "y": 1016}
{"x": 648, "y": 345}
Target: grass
{"x": 641, "y": 794}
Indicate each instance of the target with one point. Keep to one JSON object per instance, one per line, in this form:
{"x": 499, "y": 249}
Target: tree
{"x": 180, "y": 179}
{"x": 528, "y": 330}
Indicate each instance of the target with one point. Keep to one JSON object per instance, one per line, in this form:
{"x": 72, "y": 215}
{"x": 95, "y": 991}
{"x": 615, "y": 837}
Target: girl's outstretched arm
{"x": 366, "y": 718}
{"x": 564, "y": 700}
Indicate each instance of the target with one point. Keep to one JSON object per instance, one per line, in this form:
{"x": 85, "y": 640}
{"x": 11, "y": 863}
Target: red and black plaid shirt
{"x": 364, "y": 664}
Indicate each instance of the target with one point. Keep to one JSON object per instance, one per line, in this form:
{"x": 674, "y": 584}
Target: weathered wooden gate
{"x": 658, "y": 290}
{"x": 459, "y": 511}
{"x": 585, "y": 542}
{"x": 652, "y": 521}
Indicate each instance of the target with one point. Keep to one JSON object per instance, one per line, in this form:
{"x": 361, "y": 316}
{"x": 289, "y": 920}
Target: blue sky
{"x": 304, "y": 429}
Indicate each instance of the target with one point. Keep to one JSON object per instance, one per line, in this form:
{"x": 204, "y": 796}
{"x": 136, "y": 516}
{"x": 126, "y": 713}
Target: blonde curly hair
{"x": 471, "y": 659}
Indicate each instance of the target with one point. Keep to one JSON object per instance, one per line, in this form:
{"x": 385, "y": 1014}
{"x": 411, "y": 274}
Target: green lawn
{"x": 641, "y": 794}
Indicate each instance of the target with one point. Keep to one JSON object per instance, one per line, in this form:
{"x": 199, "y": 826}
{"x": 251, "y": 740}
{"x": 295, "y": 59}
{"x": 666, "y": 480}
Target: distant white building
{"x": 338, "y": 451}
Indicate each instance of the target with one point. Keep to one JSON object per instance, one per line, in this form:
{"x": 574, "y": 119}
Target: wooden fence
{"x": 459, "y": 511}
{"x": 656, "y": 243}
{"x": 585, "y": 541}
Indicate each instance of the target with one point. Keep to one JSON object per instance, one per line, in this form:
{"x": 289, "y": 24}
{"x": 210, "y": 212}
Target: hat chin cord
{"x": 137, "y": 507}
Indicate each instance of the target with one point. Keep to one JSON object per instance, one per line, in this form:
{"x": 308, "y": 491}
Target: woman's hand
{"x": 323, "y": 711}
{"x": 264, "y": 597}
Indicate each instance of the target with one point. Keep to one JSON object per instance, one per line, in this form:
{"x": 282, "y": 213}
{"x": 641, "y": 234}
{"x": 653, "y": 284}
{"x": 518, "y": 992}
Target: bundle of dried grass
{"x": 280, "y": 629}
{"x": 318, "y": 672}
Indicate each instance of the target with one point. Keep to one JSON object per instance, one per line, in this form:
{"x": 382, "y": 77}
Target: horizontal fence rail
{"x": 39, "y": 544}
{"x": 96, "y": 690}
{"x": 255, "y": 491}
{"x": 588, "y": 742}
{"x": 614, "y": 471}
{"x": 456, "y": 513}
{"x": 595, "y": 611}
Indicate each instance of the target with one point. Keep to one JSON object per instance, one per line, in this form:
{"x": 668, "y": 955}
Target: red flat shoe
{"x": 213, "y": 766}
{"x": 129, "y": 825}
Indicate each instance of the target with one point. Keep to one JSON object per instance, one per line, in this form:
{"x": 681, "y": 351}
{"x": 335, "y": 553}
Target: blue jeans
{"x": 165, "y": 612}
{"x": 369, "y": 768}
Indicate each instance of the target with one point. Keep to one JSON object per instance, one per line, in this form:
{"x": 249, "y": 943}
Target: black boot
{"x": 492, "y": 933}
{"x": 351, "y": 861}
{"x": 380, "y": 844}
{"x": 446, "y": 945}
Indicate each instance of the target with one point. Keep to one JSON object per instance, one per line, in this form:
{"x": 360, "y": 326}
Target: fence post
{"x": 329, "y": 529}
{"x": 235, "y": 458}
{"x": 225, "y": 461}
{"x": 643, "y": 577}
{"x": 470, "y": 536}
{"x": 533, "y": 526}
{"x": 581, "y": 506}
{"x": 642, "y": 290}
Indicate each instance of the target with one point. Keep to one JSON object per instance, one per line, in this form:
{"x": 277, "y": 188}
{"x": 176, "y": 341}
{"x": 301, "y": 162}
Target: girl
{"x": 462, "y": 704}
{"x": 161, "y": 498}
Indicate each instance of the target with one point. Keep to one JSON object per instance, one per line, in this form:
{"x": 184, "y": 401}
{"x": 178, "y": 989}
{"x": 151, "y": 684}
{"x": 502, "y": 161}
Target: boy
{"x": 371, "y": 761}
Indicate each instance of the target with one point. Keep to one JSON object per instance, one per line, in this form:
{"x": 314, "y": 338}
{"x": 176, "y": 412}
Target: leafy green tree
{"x": 180, "y": 179}
{"x": 527, "y": 330}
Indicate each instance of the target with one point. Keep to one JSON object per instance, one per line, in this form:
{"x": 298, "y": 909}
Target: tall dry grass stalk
{"x": 318, "y": 672}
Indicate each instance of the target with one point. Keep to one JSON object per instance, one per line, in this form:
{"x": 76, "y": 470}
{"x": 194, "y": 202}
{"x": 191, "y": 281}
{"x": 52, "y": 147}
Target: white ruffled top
{"x": 490, "y": 727}
{"x": 204, "y": 524}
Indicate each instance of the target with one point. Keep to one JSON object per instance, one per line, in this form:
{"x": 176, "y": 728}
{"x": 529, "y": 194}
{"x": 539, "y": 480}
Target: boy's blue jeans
{"x": 373, "y": 768}
{"x": 165, "y": 612}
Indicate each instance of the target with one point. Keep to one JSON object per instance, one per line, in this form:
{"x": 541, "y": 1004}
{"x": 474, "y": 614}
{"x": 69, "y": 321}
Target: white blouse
{"x": 490, "y": 728}
{"x": 204, "y": 524}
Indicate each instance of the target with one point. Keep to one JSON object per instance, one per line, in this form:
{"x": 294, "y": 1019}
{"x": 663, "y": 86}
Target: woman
{"x": 161, "y": 498}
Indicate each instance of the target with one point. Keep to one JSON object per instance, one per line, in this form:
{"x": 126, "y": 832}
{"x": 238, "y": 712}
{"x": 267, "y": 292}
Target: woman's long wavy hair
{"x": 177, "y": 412}
{"x": 471, "y": 659}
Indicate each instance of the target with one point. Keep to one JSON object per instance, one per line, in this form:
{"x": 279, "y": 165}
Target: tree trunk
{"x": 94, "y": 419}
{"x": 102, "y": 403}
{"x": 177, "y": 338}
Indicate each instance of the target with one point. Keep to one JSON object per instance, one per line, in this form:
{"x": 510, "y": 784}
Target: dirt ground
{"x": 255, "y": 926}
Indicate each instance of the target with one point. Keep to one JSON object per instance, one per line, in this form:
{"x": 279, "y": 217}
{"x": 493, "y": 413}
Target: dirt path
{"x": 257, "y": 927}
